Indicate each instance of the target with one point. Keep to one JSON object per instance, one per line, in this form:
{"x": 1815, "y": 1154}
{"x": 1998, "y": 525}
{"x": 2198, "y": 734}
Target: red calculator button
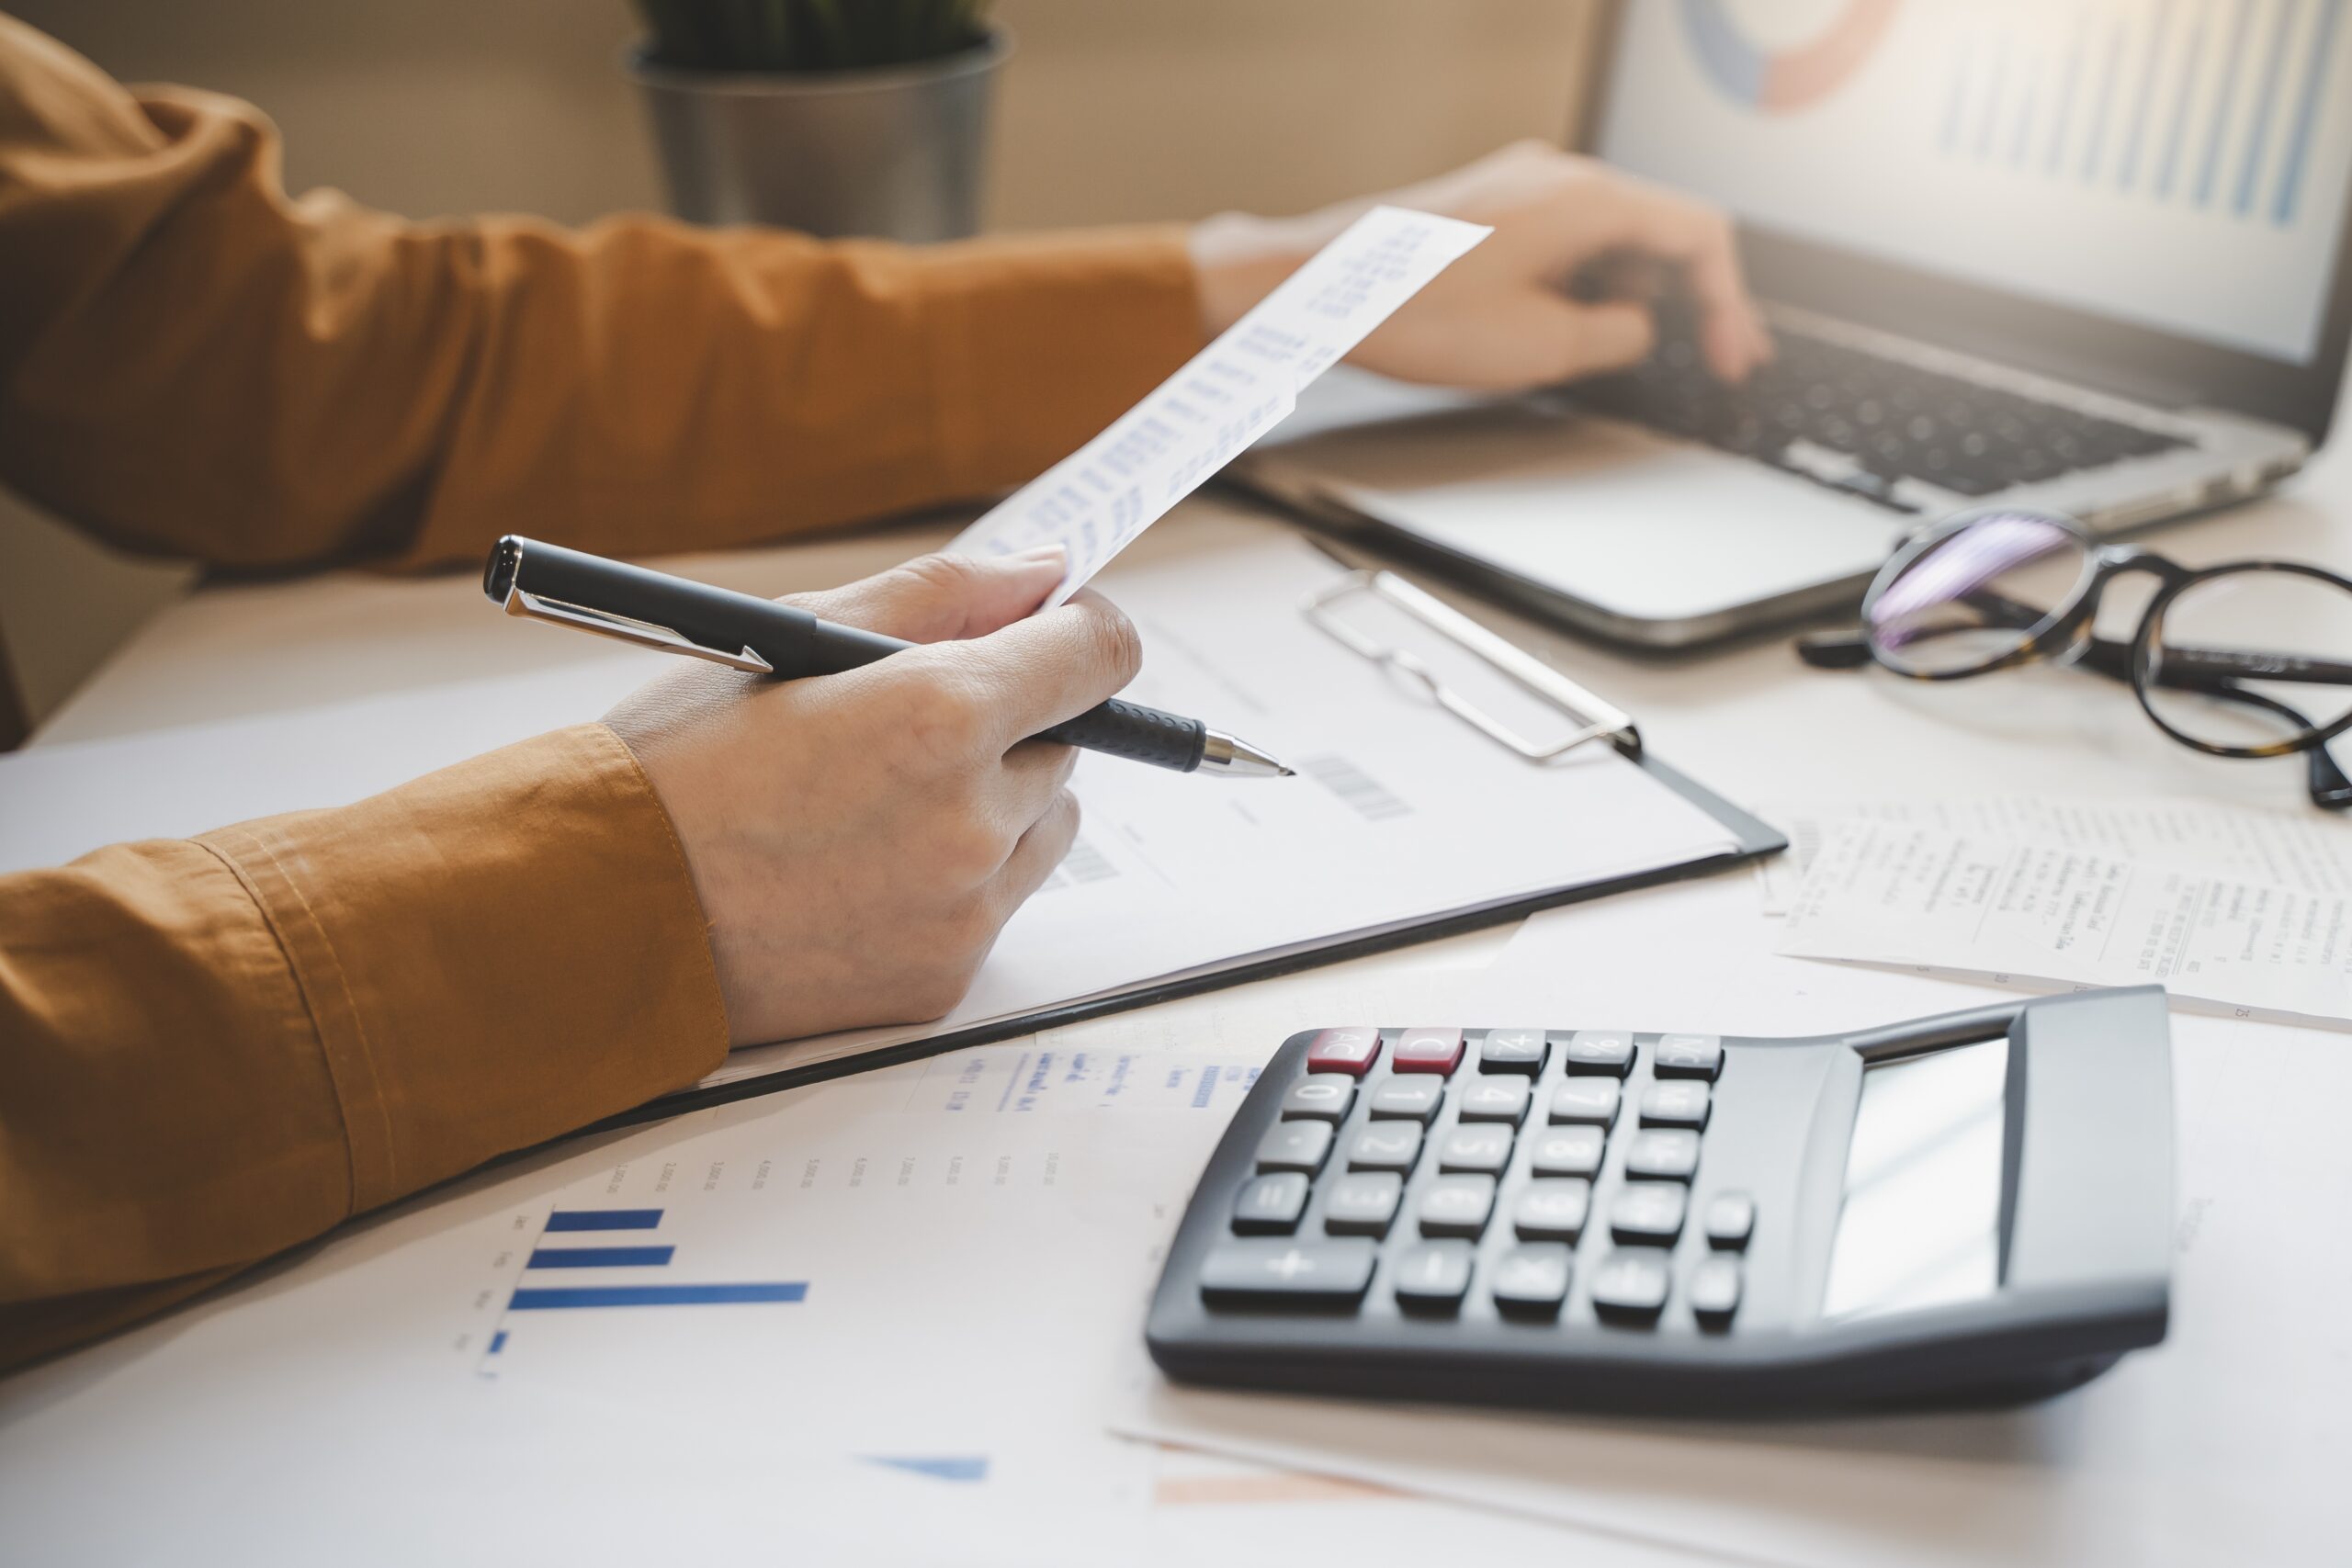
{"x": 1351, "y": 1051}
{"x": 1429, "y": 1051}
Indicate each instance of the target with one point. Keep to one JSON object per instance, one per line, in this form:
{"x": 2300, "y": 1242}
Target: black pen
{"x": 743, "y": 631}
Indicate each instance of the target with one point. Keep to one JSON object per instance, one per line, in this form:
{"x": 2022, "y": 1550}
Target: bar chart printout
{"x": 612, "y": 1243}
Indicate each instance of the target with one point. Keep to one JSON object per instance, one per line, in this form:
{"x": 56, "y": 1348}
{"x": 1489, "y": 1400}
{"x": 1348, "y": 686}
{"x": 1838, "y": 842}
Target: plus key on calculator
{"x": 1684, "y": 1223}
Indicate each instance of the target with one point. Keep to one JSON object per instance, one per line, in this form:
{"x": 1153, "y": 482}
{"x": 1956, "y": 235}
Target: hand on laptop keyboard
{"x": 1893, "y": 420}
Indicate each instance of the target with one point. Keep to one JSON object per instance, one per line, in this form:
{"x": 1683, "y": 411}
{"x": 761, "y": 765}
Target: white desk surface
{"x": 1753, "y": 723}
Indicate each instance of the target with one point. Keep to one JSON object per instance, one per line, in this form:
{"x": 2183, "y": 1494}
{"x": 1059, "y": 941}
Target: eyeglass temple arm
{"x": 2189, "y": 669}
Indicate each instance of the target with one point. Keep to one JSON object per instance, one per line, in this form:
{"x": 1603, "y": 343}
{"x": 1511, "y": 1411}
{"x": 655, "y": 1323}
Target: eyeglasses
{"x": 2248, "y": 659}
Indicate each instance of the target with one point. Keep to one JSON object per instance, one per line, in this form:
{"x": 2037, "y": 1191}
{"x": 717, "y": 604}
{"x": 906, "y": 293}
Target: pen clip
{"x": 645, "y": 634}
{"x": 1594, "y": 719}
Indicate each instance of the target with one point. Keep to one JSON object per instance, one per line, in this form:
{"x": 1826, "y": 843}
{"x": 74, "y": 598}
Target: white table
{"x": 1753, "y": 723}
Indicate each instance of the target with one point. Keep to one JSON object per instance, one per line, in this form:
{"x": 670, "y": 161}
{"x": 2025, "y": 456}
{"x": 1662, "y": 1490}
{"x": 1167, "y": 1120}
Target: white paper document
{"x": 2300, "y": 850}
{"x": 1401, "y": 814}
{"x": 1098, "y": 499}
{"x": 2016, "y": 911}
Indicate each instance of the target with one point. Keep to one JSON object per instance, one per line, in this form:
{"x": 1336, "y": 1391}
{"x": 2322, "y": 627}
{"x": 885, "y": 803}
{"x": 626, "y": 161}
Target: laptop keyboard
{"x": 1893, "y": 420}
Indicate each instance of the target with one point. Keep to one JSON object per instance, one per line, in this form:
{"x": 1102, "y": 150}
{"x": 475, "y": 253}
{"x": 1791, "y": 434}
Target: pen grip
{"x": 1136, "y": 733}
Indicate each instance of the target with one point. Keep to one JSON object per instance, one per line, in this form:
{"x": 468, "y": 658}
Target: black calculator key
{"x": 1586, "y": 1099}
{"x": 1385, "y": 1146}
{"x": 1271, "y": 1205}
{"x": 1648, "y": 1212}
{"x": 1513, "y": 1050}
{"x": 1433, "y": 1276}
{"x": 1349, "y": 1050}
{"x": 1435, "y": 1051}
{"x": 1688, "y": 1057}
{"x": 1360, "y": 1204}
{"x": 1714, "y": 1289}
{"x": 1457, "y": 1205}
{"x": 1478, "y": 1146}
{"x": 1663, "y": 1154}
{"x": 1567, "y": 1151}
{"x": 1553, "y": 1209}
{"x": 1319, "y": 1096}
{"x": 1679, "y": 1103}
{"x": 1631, "y": 1284}
{"x": 1290, "y": 1273}
{"x": 1496, "y": 1100}
{"x": 1731, "y": 1220}
{"x": 1531, "y": 1278}
{"x": 1295, "y": 1146}
{"x": 1412, "y": 1099}
{"x": 1604, "y": 1051}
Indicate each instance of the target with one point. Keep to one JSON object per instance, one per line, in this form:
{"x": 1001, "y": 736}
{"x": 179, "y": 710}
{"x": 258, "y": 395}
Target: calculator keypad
{"x": 1599, "y": 1051}
{"x": 1295, "y": 1146}
{"x": 1457, "y": 1205}
{"x": 1411, "y": 1100}
{"x": 1663, "y": 1154}
{"x": 1386, "y": 1146}
{"x": 1586, "y": 1099}
{"x": 1731, "y": 1219}
{"x": 1320, "y": 1097}
{"x": 1449, "y": 1170}
{"x": 1428, "y": 1051}
{"x": 1295, "y": 1272}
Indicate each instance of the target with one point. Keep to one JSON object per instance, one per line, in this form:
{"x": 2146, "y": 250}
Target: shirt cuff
{"x": 491, "y": 955}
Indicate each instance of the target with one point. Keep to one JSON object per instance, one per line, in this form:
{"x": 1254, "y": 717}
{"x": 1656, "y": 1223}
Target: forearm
{"x": 191, "y": 363}
{"x": 212, "y": 1050}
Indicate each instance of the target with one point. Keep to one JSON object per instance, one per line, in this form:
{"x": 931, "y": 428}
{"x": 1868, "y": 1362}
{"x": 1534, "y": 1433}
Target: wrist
{"x": 1237, "y": 258}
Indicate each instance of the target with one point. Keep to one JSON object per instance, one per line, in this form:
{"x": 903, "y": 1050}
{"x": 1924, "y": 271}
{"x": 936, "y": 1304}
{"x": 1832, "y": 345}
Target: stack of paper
{"x": 2239, "y": 911}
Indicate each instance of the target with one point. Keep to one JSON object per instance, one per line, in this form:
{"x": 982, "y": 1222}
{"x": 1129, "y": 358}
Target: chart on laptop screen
{"x": 2179, "y": 163}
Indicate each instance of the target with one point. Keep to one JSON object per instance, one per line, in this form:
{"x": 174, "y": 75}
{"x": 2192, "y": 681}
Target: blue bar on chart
{"x": 555, "y": 1298}
{"x": 600, "y": 1258}
{"x": 498, "y": 1342}
{"x": 603, "y": 1219}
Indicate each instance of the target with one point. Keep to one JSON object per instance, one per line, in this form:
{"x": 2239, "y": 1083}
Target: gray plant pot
{"x": 896, "y": 153}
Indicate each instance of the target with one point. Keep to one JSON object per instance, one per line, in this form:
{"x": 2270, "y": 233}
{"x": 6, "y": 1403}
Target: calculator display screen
{"x": 1919, "y": 1224}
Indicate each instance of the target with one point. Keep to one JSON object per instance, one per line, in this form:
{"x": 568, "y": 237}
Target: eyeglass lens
{"x": 1975, "y": 595}
{"x": 2251, "y": 658}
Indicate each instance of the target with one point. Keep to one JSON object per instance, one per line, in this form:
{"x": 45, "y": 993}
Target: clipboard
{"x": 1584, "y": 718}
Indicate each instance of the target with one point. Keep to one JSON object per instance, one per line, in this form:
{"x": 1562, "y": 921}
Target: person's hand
{"x": 1501, "y": 318}
{"x": 858, "y": 839}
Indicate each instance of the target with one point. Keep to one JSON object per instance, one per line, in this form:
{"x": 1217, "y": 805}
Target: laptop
{"x": 2086, "y": 256}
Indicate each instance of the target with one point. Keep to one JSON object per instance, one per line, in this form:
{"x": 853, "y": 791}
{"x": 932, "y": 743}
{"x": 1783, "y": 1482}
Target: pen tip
{"x": 1287, "y": 773}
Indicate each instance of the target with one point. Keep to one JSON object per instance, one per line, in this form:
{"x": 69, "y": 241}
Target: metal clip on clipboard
{"x": 1593, "y": 718}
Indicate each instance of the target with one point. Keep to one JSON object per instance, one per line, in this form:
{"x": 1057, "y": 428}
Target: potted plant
{"x": 832, "y": 116}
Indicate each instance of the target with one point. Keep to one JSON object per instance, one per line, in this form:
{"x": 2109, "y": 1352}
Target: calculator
{"x": 1974, "y": 1209}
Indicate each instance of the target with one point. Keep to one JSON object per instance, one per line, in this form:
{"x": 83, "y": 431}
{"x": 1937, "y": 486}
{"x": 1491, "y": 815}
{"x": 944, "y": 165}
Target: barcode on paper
{"x": 1356, "y": 787}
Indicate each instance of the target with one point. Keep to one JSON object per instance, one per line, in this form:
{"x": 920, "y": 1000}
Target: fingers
{"x": 1034, "y": 673}
{"x": 1041, "y": 849}
{"x": 1034, "y": 772}
{"x": 941, "y": 598}
{"x": 1732, "y": 333}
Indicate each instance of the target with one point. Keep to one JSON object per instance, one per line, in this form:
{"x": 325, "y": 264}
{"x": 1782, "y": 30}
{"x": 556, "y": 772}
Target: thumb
{"x": 1588, "y": 339}
{"x": 943, "y": 598}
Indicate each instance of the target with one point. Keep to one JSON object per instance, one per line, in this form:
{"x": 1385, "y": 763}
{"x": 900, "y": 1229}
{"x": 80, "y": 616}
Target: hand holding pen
{"x": 767, "y": 637}
{"x": 855, "y": 843}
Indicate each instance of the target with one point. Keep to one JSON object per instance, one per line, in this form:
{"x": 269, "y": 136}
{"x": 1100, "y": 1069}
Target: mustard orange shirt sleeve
{"x": 213, "y": 1049}
{"x": 194, "y": 363}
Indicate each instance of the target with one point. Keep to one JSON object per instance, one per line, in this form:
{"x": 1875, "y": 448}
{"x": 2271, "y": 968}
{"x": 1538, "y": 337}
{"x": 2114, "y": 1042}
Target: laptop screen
{"x": 2181, "y": 164}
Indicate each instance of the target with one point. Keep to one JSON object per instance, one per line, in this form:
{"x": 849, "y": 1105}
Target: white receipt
{"x": 2295, "y": 850}
{"x": 1996, "y": 906}
{"x": 1099, "y": 497}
